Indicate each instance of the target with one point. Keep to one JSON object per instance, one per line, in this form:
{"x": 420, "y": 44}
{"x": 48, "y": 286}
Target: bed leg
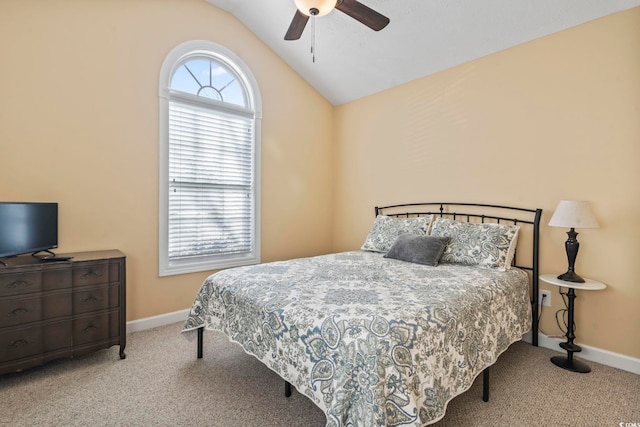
{"x": 534, "y": 323}
{"x": 485, "y": 385}
{"x": 287, "y": 389}
{"x": 200, "y": 334}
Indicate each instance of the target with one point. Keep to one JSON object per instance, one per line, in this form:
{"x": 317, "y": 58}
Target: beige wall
{"x": 79, "y": 126}
{"x": 556, "y": 118}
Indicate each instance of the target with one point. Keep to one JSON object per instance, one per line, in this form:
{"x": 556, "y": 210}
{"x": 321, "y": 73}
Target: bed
{"x": 374, "y": 338}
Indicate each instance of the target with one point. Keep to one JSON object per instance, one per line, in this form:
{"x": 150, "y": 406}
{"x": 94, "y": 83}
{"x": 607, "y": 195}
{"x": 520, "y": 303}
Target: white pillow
{"x": 488, "y": 245}
{"x": 386, "y": 230}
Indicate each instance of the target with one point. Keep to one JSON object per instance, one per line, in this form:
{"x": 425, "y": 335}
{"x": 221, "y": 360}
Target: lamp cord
{"x": 563, "y": 311}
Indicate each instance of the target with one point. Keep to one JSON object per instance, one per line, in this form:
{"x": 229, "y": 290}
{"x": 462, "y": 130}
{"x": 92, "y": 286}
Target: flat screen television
{"x": 27, "y": 227}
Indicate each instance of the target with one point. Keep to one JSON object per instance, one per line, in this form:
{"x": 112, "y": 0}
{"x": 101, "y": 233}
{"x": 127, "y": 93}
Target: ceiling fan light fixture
{"x": 322, "y": 6}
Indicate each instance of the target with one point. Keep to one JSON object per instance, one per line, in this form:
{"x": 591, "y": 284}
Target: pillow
{"x": 386, "y": 230}
{"x": 419, "y": 249}
{"x": 486, "y": 245}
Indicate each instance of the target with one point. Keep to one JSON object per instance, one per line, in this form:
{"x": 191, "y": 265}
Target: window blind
{"x": 210, "y": 182}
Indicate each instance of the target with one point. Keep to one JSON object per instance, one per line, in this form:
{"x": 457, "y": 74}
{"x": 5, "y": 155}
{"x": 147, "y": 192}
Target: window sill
{"x": 189, "y": 266}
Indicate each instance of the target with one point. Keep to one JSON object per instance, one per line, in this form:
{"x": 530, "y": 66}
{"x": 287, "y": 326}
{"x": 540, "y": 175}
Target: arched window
{"x": 210, "y": 114}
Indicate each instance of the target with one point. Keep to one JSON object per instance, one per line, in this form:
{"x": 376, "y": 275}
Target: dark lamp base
{"x": 570, "y": 276}
{"x": 573, "y": 365}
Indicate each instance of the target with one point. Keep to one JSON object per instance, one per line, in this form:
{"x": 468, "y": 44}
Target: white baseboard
{"x": 598, "y": 355}
{"x": 155, "y": 321}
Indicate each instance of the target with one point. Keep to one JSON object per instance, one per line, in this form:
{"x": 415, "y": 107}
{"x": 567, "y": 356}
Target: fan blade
{"x": 296, "y": 28}
{"x": 362, "y": 13}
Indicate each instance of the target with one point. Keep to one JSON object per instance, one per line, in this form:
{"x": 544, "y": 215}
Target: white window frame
{"x": 175, "y": 58}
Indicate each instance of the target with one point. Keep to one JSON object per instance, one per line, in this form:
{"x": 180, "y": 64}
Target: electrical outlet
{"x": 547, "y": 298}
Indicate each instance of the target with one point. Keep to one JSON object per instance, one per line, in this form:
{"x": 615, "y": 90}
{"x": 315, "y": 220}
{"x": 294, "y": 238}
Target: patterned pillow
{"x": 386, "y": 230}
{"x": 485, "y": 245}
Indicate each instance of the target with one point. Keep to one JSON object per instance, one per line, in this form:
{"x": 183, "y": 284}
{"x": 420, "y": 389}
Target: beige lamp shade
{"x": 573, "y": 214}
{"x": 323, "y": 6}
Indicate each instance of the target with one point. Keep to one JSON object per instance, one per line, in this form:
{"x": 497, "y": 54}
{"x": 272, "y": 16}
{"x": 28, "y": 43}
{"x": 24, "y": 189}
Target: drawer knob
{"x": 89, "y": 274}
{"x": 17, "y": 311}
{"x": 18, "y": 343}
{"x": 89, "y": 327}
{"x": 18, "y": 284}
{"x": 89, "y": 299}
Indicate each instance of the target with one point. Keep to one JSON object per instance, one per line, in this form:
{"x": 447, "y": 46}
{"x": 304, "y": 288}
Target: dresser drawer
{"x": 35, "y": 307}
{"x": 17, "y": 284}
{"x": 91, "y": 274}
{"x": 99, "y": 327}
{"x": 16, "y": 311}
{"x": 94, "y": 299}
{"x": 18, "y": 343}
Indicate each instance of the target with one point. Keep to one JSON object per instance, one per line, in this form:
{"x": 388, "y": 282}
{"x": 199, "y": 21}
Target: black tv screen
{"x": 27, "y": 227}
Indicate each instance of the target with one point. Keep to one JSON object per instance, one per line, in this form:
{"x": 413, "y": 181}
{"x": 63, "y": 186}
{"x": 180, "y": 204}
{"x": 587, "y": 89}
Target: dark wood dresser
{"x": 62, "y": 309}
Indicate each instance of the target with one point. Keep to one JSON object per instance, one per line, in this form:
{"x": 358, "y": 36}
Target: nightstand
{"x": 591, "y": 285}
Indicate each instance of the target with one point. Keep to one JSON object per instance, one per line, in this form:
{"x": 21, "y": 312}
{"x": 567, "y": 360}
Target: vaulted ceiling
{"x": 423, "y": 37}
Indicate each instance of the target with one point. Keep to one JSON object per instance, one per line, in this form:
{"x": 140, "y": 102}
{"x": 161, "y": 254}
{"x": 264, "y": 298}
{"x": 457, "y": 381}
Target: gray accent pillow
{"x": 419, "y": 249}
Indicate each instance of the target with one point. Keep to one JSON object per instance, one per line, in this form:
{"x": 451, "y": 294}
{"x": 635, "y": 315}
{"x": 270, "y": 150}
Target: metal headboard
{"x": 476, "y": 212}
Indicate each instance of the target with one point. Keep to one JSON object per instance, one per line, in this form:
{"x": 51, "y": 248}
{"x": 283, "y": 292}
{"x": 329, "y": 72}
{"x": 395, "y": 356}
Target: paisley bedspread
{"x": 372, "y": 341}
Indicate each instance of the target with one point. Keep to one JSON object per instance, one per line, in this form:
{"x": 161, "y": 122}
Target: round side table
{"x": 568, "y": 362}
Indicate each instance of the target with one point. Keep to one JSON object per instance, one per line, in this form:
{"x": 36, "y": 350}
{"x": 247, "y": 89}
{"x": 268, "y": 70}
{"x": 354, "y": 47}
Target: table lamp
{"x": 572, "y": 214}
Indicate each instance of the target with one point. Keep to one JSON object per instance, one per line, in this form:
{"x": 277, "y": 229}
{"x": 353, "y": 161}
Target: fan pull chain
{"x": 313, "y": 12}
{"x": 313, "y": 39}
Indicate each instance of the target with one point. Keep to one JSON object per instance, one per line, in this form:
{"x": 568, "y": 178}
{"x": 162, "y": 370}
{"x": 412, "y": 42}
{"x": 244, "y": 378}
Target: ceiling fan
{"x": 353, "y": 8}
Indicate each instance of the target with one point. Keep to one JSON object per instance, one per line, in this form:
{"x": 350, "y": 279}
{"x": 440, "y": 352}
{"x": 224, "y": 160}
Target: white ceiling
{"x": 423, "y": 37}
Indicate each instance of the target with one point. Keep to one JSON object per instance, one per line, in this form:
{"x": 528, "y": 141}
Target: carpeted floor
{"x": 161, "y": 383}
